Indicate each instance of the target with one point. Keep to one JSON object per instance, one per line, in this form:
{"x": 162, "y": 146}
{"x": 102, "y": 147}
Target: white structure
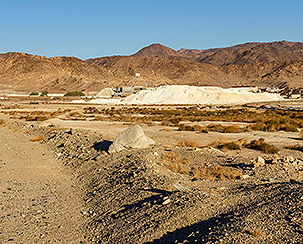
{"x": 106, "y": 93}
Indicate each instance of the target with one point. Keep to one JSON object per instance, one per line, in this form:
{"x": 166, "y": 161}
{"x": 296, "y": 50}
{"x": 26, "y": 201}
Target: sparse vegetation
{"x": 216, "y": 172}
{"x": 255, "y": 232}
{"x": 228, "y": 146}
{"x": 34, "y": 94}
{"x": 268, "y": 120}
{"x": 74, "y": 94}
{"x": 261, "y": 145}
{"x": 187, "y": 143}
{"x": 176, "y": 163}
{"x": 44, "y": 93}
{"x": 232, "y": 129}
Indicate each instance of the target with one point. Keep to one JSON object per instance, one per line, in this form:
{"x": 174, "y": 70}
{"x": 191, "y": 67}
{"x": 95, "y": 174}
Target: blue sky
{"x": 92, "y": 28}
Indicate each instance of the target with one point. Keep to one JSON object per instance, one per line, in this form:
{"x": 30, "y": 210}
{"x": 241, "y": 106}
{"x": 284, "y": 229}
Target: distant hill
{"x": 249, "y": 64}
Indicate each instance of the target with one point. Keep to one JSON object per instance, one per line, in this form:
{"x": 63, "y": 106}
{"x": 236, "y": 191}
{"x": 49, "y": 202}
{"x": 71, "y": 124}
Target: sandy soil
{"x": 39, "y": 201}
{"x": 67, "y": 189}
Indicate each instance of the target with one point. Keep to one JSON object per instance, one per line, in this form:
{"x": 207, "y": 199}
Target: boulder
{"x": 132, "y": 137}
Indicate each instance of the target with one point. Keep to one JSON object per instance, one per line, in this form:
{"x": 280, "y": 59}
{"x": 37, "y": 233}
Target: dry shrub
{"x": 184, "y": 127}
{"x": 255, "y": 232}
{"x": 261, "y": 145}
{"x": 36, "y": 118}
{"x": 187, "y": 143}
{"x": 230, "y": 145}
{"x": 232, "y": 129}
{"x": 200, "y": 128}
{"x": 176, "y": 163}
{"x": 39, "y": 138}
{"x": 216, "y": 172}
{"x": 215, "y": 127}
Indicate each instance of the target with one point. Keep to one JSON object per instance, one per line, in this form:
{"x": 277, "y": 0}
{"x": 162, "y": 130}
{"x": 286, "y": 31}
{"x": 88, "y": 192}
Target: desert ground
{"x": 59, "y": 184}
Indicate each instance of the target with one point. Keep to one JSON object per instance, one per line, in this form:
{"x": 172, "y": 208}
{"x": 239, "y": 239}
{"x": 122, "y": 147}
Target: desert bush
{"x": 184, "y": 127}
{"x": 228, "y": 146}
{"x": 261, "y": 145}
{"x": 216, "y": 172}
{"x": 179, "y": 164}
{"x": 255, "y": 232}
{"x": 215, "y": 127}
{"x": 232, "y": 129}
{"x": 176, "y": 163}
{"x": 44, "y": 93}
{"x": 74, "y": 94}
{"x": 187, "y": 143}
{"x": 35, "y": 118}
{"x": 34, "y": 94}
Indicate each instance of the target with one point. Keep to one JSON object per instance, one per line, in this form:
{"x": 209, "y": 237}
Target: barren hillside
{"x": 262, "y": 64}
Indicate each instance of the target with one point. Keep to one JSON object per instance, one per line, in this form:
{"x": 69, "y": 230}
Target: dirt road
{"x": 39, "y": 202}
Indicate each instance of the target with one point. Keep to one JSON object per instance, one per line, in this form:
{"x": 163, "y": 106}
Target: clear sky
{"x": 94, "y": 28}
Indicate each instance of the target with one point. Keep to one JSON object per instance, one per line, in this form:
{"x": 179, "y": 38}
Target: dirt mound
{"x": 198, "y": 95}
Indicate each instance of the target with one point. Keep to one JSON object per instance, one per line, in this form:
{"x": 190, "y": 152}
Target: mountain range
{"x": 249, "y": 64}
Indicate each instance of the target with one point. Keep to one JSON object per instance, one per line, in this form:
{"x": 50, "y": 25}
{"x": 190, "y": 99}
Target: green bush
{"x": 34, "y": 94}
{"x": 74, "y": 94}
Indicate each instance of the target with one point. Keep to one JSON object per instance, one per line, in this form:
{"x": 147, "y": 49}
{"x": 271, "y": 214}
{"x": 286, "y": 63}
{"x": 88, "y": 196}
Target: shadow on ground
{"x": 102, "y": 146}
{"x": 195, "y": 233}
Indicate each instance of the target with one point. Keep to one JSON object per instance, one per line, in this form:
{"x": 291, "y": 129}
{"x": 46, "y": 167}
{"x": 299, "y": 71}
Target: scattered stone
{"x": 258, "y": 162}
{"x": 288, "y": 159}
{"x": 167, "y": 201}
{"x": 245, "y": 176}
{"x": 132, "y": 137}
{"x": 180, "y": 187}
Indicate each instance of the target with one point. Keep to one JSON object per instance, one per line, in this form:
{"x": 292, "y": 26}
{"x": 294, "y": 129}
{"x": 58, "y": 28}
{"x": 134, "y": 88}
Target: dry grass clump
{"x": 176, "y": 163}
{"x": 261, "y": 145}
{"x": 232, "y": 145}
{"x": 255, "y": 232}
{"x": 37, "y": 139}
{"x": 187, "y": 143}
{"x": 268, "y": 120}
{"x": 216, "y": 172}
{"x": 36, "y": 118}
{"x": 229, "y": 145}
{"x": 232, "y": 129}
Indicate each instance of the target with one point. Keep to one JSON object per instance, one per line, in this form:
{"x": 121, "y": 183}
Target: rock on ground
{"x": 132, "y": 137}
